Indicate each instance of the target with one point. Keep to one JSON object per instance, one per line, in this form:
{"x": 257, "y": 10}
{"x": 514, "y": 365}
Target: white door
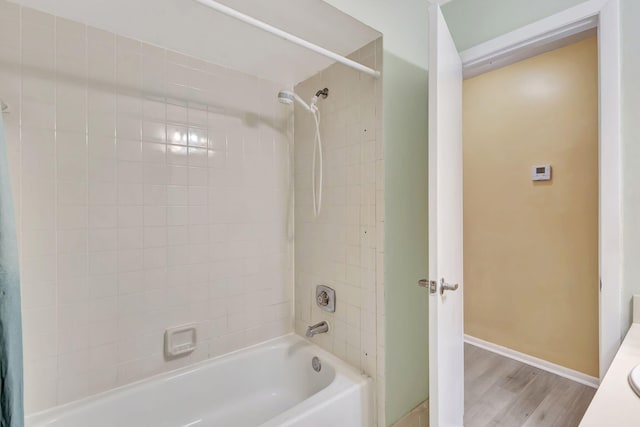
{"x": 446, "y": 348}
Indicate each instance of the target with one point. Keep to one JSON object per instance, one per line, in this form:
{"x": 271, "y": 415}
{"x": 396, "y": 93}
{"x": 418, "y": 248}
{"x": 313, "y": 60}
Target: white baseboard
{"x": 576, "y": 376}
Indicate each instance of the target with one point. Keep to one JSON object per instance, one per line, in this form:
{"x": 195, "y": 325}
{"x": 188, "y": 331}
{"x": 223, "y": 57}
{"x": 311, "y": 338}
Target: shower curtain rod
{"x": 288, "y": 36}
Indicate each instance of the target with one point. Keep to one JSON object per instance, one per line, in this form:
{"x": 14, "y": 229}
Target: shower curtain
{"x": 11, "y": 397}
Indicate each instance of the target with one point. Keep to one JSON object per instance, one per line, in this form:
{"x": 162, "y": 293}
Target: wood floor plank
{"x": 575, "y": 411}
{"x": 527, "y": 400}
{"x": 551, "y": 411}
{"x": 481, "y": 412}
{"x": 517, "y": 381}
{"x": 502, "y": 392}
{"x": 485, "y": 371}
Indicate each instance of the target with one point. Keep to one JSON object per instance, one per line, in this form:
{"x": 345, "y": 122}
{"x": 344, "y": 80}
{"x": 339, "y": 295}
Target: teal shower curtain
{"x": 11, "y": 397}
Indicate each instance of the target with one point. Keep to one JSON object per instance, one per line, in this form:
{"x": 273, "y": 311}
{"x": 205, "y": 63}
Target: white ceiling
{"x": 193, "y": 29}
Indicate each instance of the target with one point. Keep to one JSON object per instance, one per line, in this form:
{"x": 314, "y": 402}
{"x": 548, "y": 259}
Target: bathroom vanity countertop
{"x": 615, "y": 403}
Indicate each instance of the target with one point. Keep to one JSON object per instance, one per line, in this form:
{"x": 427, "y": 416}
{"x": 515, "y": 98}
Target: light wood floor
{"x": 503, "y": 392}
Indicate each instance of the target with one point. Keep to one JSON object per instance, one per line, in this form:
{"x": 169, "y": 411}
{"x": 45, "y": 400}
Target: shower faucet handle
{"x": 326, "y": 298}
{"x": 323, "y": 299}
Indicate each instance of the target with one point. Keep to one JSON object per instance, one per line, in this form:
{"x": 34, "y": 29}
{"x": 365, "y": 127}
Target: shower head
{"x": 288, "y": 97}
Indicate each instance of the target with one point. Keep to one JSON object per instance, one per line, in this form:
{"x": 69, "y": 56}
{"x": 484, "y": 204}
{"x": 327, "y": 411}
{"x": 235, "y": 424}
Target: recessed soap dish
{"x": 180, "y": 340}
{"x": 634, "y": 380}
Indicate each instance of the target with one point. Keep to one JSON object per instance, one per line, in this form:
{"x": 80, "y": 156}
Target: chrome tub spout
{"x": 318, "y": 328}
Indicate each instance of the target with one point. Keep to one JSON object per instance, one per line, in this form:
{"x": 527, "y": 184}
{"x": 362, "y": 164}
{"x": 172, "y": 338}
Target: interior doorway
{"x": 446, "y": 283}
{"x": 530, "y": 203}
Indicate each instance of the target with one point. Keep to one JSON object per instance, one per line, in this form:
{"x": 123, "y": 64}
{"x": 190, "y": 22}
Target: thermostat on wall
{"x": 541, "y": 173}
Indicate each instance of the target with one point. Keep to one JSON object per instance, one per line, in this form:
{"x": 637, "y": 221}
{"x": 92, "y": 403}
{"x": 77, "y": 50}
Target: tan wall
{"x": 531, "y": 249}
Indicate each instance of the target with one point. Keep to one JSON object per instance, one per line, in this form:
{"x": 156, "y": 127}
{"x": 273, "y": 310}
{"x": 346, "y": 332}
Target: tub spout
{"x": 318, "y": 328}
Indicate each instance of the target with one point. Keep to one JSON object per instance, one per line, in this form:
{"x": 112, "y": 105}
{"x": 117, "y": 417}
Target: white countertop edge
{"x": 615, "y": 403}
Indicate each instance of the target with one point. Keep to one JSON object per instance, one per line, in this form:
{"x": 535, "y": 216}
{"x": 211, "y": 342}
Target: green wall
{"x": 406, "y": 244}
{"x": 404, "y": 26}
{"x": 473, "y": 22}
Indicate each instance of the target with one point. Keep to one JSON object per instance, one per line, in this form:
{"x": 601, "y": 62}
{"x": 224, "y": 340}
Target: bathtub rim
{"x": 346, "y": 378}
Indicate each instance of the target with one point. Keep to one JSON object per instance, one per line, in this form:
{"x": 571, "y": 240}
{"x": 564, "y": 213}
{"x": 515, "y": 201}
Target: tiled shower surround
{"x": 343, "y": 248}
{"x": 151, "y": 190}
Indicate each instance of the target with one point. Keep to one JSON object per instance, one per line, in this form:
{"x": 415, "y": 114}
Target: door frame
{"x": 532, "y": 39}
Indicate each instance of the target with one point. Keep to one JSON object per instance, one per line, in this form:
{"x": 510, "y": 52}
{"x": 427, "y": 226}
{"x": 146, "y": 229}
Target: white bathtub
{"x": 267, "y": 385}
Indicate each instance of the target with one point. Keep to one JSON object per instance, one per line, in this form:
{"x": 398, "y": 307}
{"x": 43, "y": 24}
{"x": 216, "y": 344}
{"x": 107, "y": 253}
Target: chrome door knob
{"x": 444, "y": 286}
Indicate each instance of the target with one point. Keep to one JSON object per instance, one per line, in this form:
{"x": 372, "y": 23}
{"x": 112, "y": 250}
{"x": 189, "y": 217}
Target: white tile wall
{"x": 343, "y": 248}
{"x": 151, "y": 189}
